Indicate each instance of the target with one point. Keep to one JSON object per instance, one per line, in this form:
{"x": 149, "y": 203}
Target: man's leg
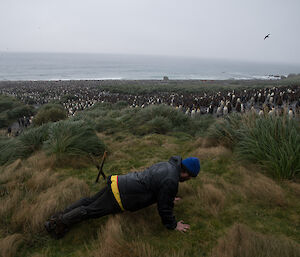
{"x": 84, "y": 201}
{"x": 101, "y": 205}
{"x": 56, "y": 227}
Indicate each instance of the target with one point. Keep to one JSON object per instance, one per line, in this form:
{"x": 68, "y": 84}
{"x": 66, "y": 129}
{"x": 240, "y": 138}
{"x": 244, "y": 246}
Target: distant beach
{"x": 54, "y": 66}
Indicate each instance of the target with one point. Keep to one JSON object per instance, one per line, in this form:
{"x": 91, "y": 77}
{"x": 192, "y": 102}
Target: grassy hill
{"x": 237, "y": 206}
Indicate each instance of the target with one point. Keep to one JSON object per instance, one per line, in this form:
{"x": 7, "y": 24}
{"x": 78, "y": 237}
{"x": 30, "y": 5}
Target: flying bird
{"x": 267, "y": 36}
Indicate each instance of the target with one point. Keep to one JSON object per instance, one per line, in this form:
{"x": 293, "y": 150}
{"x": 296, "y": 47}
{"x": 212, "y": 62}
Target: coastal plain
{"x": 236, "y": 206}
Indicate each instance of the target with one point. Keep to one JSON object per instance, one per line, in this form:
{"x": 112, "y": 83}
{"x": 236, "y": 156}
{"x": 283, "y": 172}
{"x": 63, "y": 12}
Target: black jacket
{"x": 157, "y": 184}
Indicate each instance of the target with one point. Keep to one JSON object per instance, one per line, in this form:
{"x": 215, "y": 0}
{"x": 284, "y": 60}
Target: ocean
{"x": 66, "y": 66}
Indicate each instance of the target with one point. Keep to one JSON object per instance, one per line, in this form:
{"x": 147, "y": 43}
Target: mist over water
{"x": 62, "y": 66}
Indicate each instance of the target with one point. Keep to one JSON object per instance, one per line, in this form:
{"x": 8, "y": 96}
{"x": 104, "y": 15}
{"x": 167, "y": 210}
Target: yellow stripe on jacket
{"x": 115, "y": 190}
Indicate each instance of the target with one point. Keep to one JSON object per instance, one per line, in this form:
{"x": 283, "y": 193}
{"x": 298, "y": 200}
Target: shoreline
{"x": 145, "y": 80}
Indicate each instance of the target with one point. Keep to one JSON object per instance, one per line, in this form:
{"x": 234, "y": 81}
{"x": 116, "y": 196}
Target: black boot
{"x": 55, "y": 227}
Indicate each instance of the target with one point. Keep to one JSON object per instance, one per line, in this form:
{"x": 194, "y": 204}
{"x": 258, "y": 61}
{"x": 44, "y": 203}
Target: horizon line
{"x": 155, "y": 55}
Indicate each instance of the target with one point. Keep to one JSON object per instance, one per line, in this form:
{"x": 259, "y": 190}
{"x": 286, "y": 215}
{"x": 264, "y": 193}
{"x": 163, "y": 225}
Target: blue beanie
{"x": 193, "y": 165}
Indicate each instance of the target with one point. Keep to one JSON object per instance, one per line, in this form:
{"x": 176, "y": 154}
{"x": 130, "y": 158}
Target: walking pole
{"x": 100, "y": 168}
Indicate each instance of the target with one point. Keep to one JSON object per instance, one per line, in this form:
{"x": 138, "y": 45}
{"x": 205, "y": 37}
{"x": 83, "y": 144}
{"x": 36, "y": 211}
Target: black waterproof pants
{"x": 101, "y": 204}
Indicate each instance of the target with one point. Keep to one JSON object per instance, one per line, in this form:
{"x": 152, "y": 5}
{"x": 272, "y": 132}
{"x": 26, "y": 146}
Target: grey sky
{"x": 232, "y": 29}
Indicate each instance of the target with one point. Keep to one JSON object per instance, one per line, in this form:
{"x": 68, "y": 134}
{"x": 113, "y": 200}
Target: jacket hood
{"x": 176, "y": 161}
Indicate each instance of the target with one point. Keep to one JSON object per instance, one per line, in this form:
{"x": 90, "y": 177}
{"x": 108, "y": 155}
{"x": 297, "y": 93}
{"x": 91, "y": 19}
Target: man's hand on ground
{"x": 182, "y": 227}
{"x": 176, "y": 200}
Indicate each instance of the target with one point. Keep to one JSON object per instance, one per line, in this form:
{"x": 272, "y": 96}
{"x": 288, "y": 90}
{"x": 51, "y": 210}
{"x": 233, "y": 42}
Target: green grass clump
{"x": 273, "y": 142}
{"x": 22, "y": 146}
{"x": 159, "y": 119}
{"x": 64, "y": 138}
{"x": 6, "y": 103}
{"x": 33, "y": 138}
{"x": 11, "y": 109}
{"x": 20, "y": 111}
{"x": 163, "y": 119}
{"x": 73, "y": 138}
{"x": 104, "y": 117}
{"x": 11, "y": 149}
{"x": 107, "y": 124}
{"x": 50, "y": 113}
{"x": 159, "y": 124}
{"x": 224, "y": 131}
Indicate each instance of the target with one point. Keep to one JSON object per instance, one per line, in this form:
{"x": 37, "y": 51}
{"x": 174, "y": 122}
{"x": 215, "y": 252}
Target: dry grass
{"x": 211, "y": 198}
{"x": 33, "y": 212}
{"x": 209, "y": 142}
{"x": 10, "y": 244}
{"x": 142, "y": 222}
{"x": 40, "y": 161}
{"x": 211, "y": 152}
{"x": 112, "y": 242}
{"x": 153, "y": 140}
{"x": 185, "y": 190}
{"x": 295, "y": 187}
{"x": 12, "y": 177}
{"x": 259, "y": 187}
{"x": 213, "y": 192}
{"x": 9, "y": 203}
{"x": 250, "y": 185}
{"x": 240, "y": 241}
{"x": 31, "y": 192}
{"x": 119, "y": 155}
{"x": 39, "y": 255}
{"x": 7, "y": 172}
{"x": 169, "y": 146}
{"x": 42, "y": 180}
{"x": 75, "y": 162}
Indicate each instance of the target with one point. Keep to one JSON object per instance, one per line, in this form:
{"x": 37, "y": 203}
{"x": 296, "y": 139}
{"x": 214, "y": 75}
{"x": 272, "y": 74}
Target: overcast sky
{"x": 230, "y": 29}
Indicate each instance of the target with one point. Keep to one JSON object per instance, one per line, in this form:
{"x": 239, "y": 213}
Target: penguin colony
{"x": 80, "y": 96}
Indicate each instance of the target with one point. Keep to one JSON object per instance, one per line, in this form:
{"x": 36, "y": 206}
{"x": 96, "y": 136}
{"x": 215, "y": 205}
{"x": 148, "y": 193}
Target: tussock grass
{"x": 250, "y": 185}
{"x": 69, "y": 138}
{"x": 211, "y": 152}
{"x": 12, "y": 109}
{"x": 295, "y": 187}
{"x": 274, "y": 143}
{"x": 42, "y": 180}
{"x": 49, "y": 113}
{"x": 24, "y": 145}
{"x": 112, "y": 242}
{"x": 224, "y": 130}
{"x": 16, "y": 177}
{"x": 9, "y": 203}
{"x": 7, "y": 171}
{"x": 39, "y": 255}
{"x": 52, "y": 200}
{"x": 33, "y": 139}
{"x": 161, "y": 119}
{"x": 241, "y": 241}
{"x": 11, "y": 149}
{"x": 259, "y": 187}
{"x": 40, "y": 161}
{"x": 10, "y": 244}
{"x": 65, "y": 138}
{"x": 211, "y": 198}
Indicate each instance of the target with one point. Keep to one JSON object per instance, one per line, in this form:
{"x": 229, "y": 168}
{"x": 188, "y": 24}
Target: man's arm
{"x": 165, "y": 203}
